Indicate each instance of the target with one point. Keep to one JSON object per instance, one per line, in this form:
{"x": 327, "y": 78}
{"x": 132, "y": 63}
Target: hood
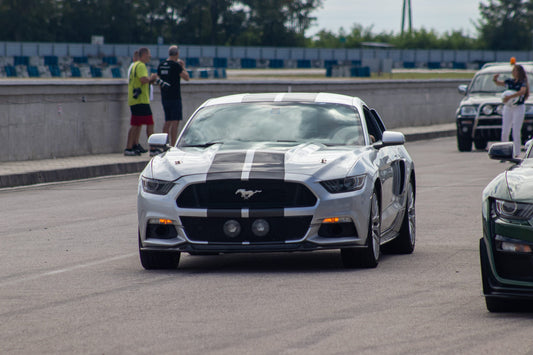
{"x": 256, "y": 160}
{"x": 520, "y": 182}
{"x": 481, "y": 98}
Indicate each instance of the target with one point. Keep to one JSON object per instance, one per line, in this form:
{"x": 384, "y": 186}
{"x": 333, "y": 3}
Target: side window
{"x": 374, "y": 128}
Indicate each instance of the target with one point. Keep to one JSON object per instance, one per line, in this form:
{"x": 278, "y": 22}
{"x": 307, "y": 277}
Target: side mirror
{"x": 503, "y": 151}
{"x": 159, "y": 141}
{"x": 390, "y": 138}
{"x": 462, "y": 89}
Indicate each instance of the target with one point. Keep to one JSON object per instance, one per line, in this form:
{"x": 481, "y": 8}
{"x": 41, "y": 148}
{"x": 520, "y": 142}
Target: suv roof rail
{"x": 491, "y": 64}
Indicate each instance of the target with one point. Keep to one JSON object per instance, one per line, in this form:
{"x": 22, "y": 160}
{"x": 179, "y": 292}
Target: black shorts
{"x": 173, "y": 110}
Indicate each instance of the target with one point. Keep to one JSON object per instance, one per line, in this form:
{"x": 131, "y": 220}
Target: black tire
{"x": 404, "y": 243}
{"x": 367, "y": 257}
{"x": 464, "y": 143}
{"x": 158, "y": 260}
{"x": 480, "y": 143}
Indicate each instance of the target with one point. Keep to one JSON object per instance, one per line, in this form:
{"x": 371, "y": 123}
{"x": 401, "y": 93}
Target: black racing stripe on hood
{"x": 226, "y": 165}
{"x": 268, "y": 165}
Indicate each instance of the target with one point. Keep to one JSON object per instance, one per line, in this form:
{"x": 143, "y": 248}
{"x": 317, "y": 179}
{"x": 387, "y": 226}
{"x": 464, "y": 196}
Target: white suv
{"x": 479, "y": 115}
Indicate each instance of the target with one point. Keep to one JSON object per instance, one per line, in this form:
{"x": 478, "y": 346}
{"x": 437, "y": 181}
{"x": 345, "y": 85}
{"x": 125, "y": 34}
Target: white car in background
{"x": 278, "y": 172}
{"x": 479, "y": 115}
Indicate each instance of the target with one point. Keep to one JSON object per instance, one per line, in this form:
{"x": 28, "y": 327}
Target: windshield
{"x": 330, "y": 124}
{"x": 484, "y": 83}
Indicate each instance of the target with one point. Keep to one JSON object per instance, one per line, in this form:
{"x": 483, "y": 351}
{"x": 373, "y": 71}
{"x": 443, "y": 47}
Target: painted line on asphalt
{"x": 64, "y": 270}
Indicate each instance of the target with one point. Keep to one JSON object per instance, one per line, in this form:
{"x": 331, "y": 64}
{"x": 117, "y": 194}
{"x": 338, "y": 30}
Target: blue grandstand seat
{"x": 80, "y": 60}
{"x": 220, "y": 73}
{"x": 96, "y": 72}
{"x": 54, "y": 70}
{"x": 75, "y": 71}
{"x": 275, "y": 63}
{"x": 10, "y": 71}
{"x": 356, "y": 63}
{"x": 409, "y": 65}
{"x": 360, "y": 71}
{"x": 21, "y": 60}
{"x": 110, "y": 60}
{"x": 116, "y": 73}
{"x": 220, "y": 62}
{"x": 248, "y": 63}
{"x": 433, "y": 65}
{"x": 459, "y": 65}
{"x": 33, "y": 72}
{"x": 303, "y": 63}
{"x": 50, "y": 60}
{"x": 330, "y": 63}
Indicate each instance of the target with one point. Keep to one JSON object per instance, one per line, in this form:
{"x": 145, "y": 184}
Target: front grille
{"x": 210, "y": 230}
{"x": 237, "y": 194}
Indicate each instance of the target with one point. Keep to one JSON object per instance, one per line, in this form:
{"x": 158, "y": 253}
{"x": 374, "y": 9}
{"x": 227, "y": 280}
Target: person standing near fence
{"x": 139, "y": 101}
{"x": 171, "y": 71}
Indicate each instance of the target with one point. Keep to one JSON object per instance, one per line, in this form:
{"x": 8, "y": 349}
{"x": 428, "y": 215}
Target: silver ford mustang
{"x": 278, "y": 172}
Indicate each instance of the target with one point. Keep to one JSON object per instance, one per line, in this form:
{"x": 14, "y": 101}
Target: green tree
{"x": 506, "y": 24}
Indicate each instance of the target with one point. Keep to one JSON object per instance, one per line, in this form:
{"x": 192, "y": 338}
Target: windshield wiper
{"x": 204, "y": 145}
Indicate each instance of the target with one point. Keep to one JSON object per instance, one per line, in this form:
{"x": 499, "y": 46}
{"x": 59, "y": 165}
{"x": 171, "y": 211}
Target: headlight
{"x": 529, "y": 109}
{"x": 351, "y": 183}
{"x": 154, "y": 186}
{"x": 513, "y": 210}
{"x": 468, "y": 111}
{"x": 487, "y": 110}
{"x": 499, "y": 109}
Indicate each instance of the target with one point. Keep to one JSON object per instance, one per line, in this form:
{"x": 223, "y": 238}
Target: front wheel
{"x": 157, "y": 260}
{"x": 404, "y": 243}
{"x": 367, "y": 257}
{"x": 464, "y": 143}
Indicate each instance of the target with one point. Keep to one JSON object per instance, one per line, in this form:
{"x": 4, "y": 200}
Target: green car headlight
{"x": 513, "y": 210}
{"x": 157, "y": 187}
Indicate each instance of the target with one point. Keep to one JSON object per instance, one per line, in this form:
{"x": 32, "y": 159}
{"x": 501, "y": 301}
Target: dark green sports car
{"x": 506, "y": 249}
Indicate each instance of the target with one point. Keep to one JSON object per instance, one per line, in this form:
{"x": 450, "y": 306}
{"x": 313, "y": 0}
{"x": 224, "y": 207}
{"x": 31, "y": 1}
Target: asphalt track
{"x": 71, "y": 281}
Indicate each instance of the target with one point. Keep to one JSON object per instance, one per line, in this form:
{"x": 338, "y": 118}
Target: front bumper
{"x": 163, "y": 225}
{"x": 489, "y": 128}
{"x": 494, "y": 286}
{"x": 507, "y": 272}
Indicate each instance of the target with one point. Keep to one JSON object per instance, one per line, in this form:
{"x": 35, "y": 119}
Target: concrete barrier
{"x": 43, "y": 119}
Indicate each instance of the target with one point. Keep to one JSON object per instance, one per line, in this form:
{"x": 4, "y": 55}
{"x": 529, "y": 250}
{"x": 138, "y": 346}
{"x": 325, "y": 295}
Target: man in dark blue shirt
{"x": 170, "y": 72}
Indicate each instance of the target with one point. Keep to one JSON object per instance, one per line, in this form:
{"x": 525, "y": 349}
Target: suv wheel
{"x": 464, "y": 143}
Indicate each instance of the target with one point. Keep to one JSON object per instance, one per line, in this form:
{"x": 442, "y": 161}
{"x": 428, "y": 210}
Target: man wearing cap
{"x": 171, "y": 71}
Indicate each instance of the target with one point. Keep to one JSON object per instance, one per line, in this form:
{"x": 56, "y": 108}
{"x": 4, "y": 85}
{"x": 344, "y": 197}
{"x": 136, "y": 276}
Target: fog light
{"x": 512, "y": 245}
{"x": 529, "y": 128}
{"x": 337, "y": 220}
{"x": 465, "y": 129}
{"x": 260, "y": 227}
{"x": 232, "y": 228}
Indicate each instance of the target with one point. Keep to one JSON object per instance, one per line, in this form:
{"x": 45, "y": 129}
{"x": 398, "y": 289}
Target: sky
{"x": 386, "y": 15}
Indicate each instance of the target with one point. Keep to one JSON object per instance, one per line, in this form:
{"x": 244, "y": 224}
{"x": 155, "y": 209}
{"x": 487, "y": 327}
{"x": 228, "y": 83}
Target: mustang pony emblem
{"x": 246, "y": 194}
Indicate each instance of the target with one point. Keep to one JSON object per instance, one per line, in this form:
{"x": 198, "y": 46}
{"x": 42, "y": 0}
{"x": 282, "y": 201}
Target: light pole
{"x": 406, "y": 8}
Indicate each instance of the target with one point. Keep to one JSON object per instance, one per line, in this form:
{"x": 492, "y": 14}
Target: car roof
{"x": 286, "y": 97}
{"x": 498, "y": 67}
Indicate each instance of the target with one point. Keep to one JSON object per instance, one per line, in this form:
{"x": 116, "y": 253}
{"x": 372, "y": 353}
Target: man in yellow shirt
{"x": 139, "y": 101}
